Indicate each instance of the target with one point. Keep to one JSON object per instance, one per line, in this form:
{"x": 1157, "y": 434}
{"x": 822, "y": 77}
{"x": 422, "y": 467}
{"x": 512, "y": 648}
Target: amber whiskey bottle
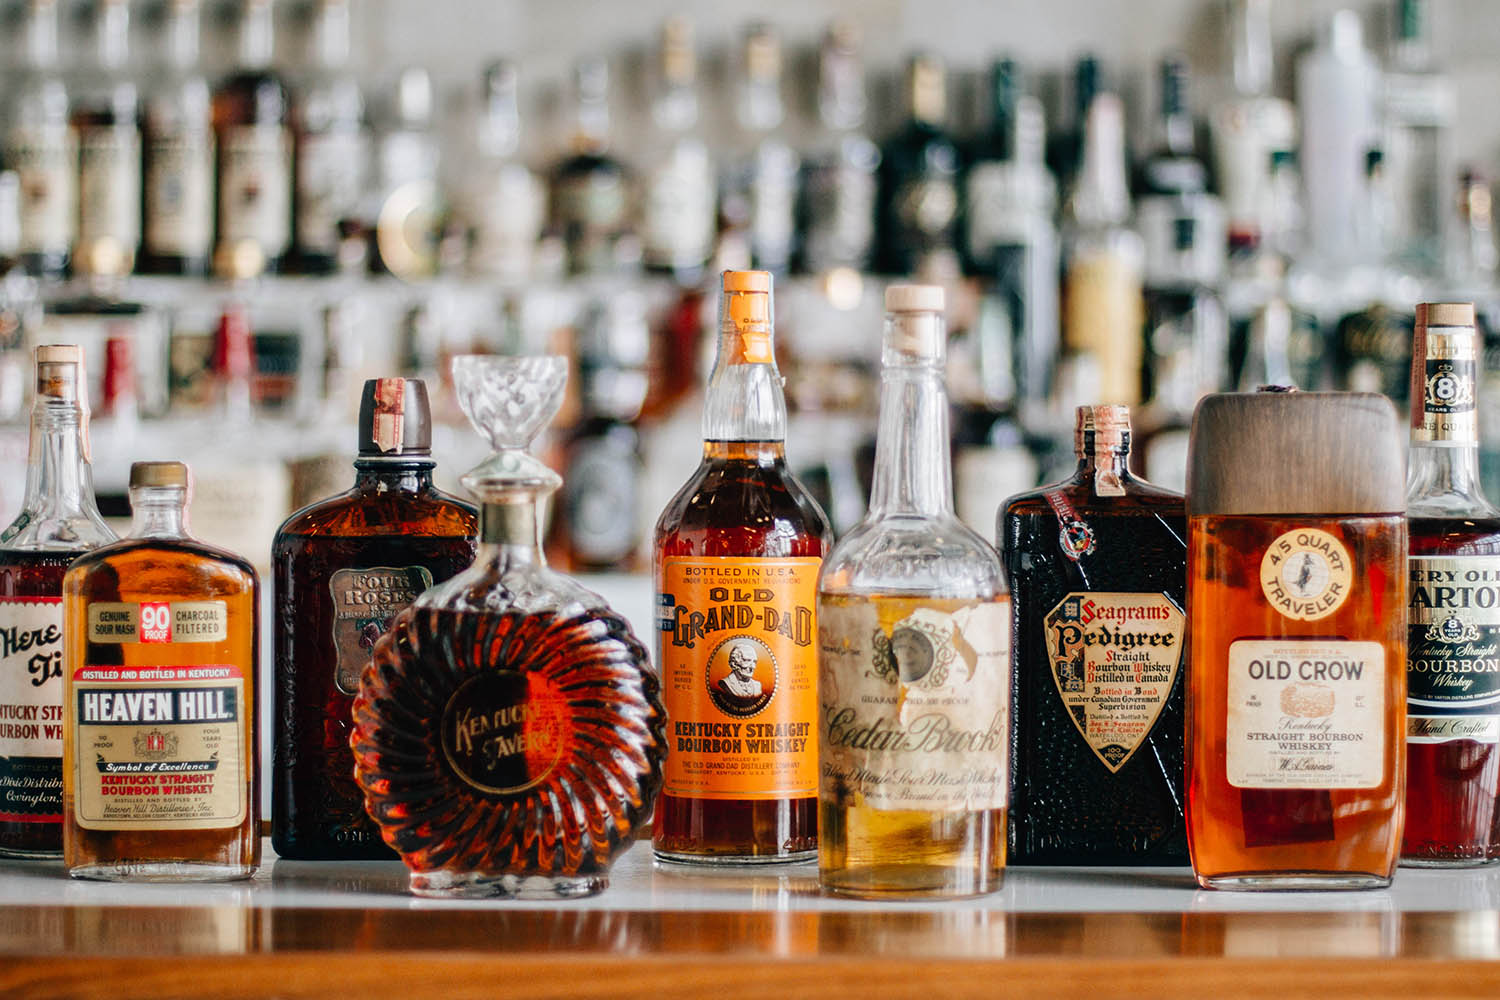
{"x": 737, "y": 554}
{"x": 58, "y": 522}
{"x": 343, "y": 569}
{"x": 160, "y": 775}
{"x": 1097, "y": 568}
{"x": 1453, "y": 607}
{"x": 1296, "y": 761}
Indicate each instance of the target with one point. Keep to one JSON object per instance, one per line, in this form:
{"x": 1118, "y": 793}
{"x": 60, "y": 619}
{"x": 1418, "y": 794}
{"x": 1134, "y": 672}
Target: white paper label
{"x": 255, "y": 191}
{"x": 31, "y": 650}
{"x": 330, "y": 180}
{"x": 109, "y": 185}
{"x": 1306, "y": 713}
{"x": 679, "y": 215}
{"x": 46, "y": 159}
{"x": 179, "y": 195}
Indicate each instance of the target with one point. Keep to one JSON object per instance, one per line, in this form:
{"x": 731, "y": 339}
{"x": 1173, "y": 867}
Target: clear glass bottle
{"x": 838, "y": 189}
{"x": 590, "y": 187}
{"x": 508, "y": 734}
{"x": 736, "y": 555}
{"x": 179, "y": 168}
{"x": 332, "y": 144}
{"x": 507, "y": 203}
{"x": 106, "y": 117}
{"x": 762, "y": 192}
{"x": 160, "y": 761}
{"x": 914, "y": 640}
{"x": 58, "y": 523}
{"x": 41, "y": 146}
{"x": 1452, "y": 692}
{"x": 678, "y": 196}
{"x": 1419, "y": 109}
{"x": 405, "y": 219}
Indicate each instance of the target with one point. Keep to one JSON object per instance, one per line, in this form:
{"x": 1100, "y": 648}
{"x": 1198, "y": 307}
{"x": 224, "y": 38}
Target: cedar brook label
{"x": 915, "y": 699}
{"x": 31, "y": 709}
{"x": 159, "y": 747}
{"x": 1305, "y": 713}
{"x": 1453, "y": 649}
{"x": 738, "y": 672}
{"x": 1115, "y": 659}
{"x": 364, "y": 603}
{"x": 1306, "y": 574}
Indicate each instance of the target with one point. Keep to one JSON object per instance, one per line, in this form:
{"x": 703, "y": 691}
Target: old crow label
{"x": 1306, "y": 574}
{"x": 31, "y": 651}
{"x": 1115, "y": 659}
{"x": 1453, "y": 649}
{"x": 739, "y": 664}
{"x": 159, "y": 747}
{"x": 364, "y": 603}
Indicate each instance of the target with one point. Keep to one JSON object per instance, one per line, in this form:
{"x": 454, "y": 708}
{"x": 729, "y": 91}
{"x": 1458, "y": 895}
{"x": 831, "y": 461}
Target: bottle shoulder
{"x": 932, "y": 556}
{"x": 758, "y": 504}
{"x": 1140, "y": 497}
{"x": 361, "y": 512}
{"x": 181, "y": 566}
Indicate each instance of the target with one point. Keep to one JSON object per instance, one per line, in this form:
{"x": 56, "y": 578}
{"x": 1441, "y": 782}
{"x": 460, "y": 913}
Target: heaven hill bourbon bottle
{"x": 160, "y": 776}
{"x": 344, "y": 568}
{"x": 1296, "y": 759}
{"x": 59, "y": 522}
{"x": 737, "y": 554}
{"x": 1453, "y": 607}
{"x": 1097, "y": 568}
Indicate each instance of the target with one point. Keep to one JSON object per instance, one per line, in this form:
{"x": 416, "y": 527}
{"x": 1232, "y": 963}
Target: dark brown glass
{"x": 35, "y": 574}
{"x": 742, "y": 501}
{"x": 1066, "y": 807}
{"x": 1452, "y": 788}
{"x": 392, "y": 517}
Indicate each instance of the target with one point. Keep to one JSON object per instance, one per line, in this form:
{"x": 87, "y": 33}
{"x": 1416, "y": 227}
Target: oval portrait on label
{"x": 503, "y": 731}
{"x": 741, "y": 676}
{"x": 1306, "y": 574}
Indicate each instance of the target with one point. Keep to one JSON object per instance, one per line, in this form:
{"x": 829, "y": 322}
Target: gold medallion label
{"x": 1306, "y": 574}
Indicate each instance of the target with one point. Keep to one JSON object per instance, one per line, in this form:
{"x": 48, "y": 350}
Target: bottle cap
{"x": 59, "y": 354}
{"x": 747, "y": 281}
{"x": 163, "y": 474}
{"x": 914, "y": 298}
{"x": 1445, "y": 314}
{"x": 747, "y": 314}
{"x": 395, "y": 419}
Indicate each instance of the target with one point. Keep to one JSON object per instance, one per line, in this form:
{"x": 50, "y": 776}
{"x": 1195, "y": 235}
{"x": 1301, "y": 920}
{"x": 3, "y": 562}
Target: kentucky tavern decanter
{"x": 508, "y": 733}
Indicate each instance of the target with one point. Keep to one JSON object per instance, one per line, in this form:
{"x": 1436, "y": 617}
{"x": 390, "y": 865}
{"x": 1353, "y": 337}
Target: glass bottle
{"x": 913, "y": 638}
{"x": 343, "y": 569}
{"x": 1096, "y": 776}
{"x": 737, "y": 553}
{"x": 1453, "y": 697}
{"x": 678, "y": 200}
{"x": 1419, "y": 109}
{"x": 106, "y": 117}
{"x": 179, "y": 185}
{"x": 508, "y": 203}
{"x": 1065, "y": 148}
{"x": 405, "y": 220}
{"x": 590, "y": 189}
{"x": 332, "y": 144}
{"x": 250, "y": 112}
{"x": 508, "y": 734}
{"x": 918, "y": 180}
{"x": 58, "y": 523}
{"x": 762, "y": 191}
{"x": 160, "y": 771}
{"x": 838, "y": 189}
{"x": 41, "y": 146}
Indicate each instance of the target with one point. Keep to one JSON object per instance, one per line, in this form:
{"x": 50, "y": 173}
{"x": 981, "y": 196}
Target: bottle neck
{"x": 1443, "y": 462}
{"x": 1438, "y": 470}
{"x": 510, "y": 533}
{"x": 182, "y": 38}
{"x": 407, "y": 474}
{"x": 913, "y": 474}
{"x": 158, "y": 512}
{"x": 744, "y": 401}
{"x": 59, "y": 480}
{"x": 257, "y": 36}
{"x": 1103, "y": 470}
{"x": 1102, "y": 197}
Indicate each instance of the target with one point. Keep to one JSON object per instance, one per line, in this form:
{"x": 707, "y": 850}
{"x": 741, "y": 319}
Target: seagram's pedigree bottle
{"x": 914, "y": 655}
{"x": 737, "y": 554}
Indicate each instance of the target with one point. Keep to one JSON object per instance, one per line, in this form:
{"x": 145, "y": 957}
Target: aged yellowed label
{"x": 1306, "y": 713}
{"x": 914, "y": 700}
{"x": 159, "y": 622}
{"x": 1306, "y": 574}
{"x": 1115, "y": 658}
{"x": 159, "y": 747}
{"x": 364, "y": 603}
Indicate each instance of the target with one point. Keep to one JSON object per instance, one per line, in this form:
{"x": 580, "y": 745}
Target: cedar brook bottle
{"x": 1296, "y": 761}
{"x": 913, "y": 655}
{"x": 737, "y": 554}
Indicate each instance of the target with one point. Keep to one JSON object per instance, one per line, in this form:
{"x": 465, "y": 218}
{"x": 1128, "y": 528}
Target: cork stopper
{"x": 914, "y": 321}
{"x": 159, "y": 474}
{"x": 395, "y": 419}
{"x": 1303, "y": 453}
{"x": 1104, "y": 428}
{"x": 1445, "y": 314}
{"x": 59, "y": 373}
{"x": 747, "y": 317}
{"x": 59, "y": 354}
{"x": 914, "y": 298}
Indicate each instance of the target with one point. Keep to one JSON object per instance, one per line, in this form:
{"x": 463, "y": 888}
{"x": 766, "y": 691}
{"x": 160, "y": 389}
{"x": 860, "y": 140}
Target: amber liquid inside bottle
{"x": 165, "y": 570}
{"x": 741, "y": 502}
{"x": 317, "y": 809}
{"x": 35, "y": 574}
{"x": 1292, "y": 837}
{"x": 1453, "y": 787}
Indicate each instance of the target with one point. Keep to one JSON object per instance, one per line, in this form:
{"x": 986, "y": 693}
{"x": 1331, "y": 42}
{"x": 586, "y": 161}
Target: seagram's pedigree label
{"x": 739, "y": 668}
{"x": 1305, "y": 713}
{"x": 1453, "y": 649}
{"x": 365, "y": 601}
{"x": 914, "y": 697}
{"x": 159, "y": 747}
{"x": 1115, "y": 658}
{"x": 1306, "y": 574}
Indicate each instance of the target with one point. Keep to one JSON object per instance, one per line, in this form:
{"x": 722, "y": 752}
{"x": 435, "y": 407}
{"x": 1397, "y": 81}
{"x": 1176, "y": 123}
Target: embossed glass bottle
{"x": 508, "y": 735}
{"x": 344, "y": 568}
{"x": 913, "y": 655}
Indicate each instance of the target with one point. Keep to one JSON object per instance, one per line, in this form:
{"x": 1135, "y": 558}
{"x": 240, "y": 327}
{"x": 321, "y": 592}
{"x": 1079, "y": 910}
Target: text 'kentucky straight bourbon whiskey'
{"x": 1297, "y": 577}
{"x": 737, "y": 554}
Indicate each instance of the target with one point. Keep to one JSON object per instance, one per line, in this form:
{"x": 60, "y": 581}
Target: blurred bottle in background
{"x": 838, "y": 189}
{"x": 41, "y": 146}
{"x": 590, "y": 188}
{"x": 918, "y": 191}
{"x": 679, "y": 196}
{"x": 1419, "y": 108}
{"x": 507, "y": 204}
{"x": 407, "y": 220}
{"x": 106, "y": 116}
{"x": 179, "y": 162}
{"x": 332, "y": 146}
{"x": 761, "y": 195}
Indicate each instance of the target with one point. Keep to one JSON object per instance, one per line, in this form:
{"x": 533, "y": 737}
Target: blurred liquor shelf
{"x": 236, "y": 249}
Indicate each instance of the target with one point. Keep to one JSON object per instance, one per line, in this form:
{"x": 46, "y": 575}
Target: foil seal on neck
{"x": 1444, "y": 375}
{"x": 395, "y": 419}
{"x": 746, "y": 331}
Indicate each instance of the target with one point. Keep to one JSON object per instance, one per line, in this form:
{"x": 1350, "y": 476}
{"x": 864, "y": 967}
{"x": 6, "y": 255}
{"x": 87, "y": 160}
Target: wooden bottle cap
{"x": 1311, "y": 453}
{"x": 1445, "y": 314}
{"x": 914, "y": 298}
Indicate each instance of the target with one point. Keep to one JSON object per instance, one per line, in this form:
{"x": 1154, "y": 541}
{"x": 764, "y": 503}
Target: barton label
{"x": 365, "y": 601}
{"x": 1115, "y": 659}
{"x": 1453, "y": 649}
{"x": 31, "y": 712}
